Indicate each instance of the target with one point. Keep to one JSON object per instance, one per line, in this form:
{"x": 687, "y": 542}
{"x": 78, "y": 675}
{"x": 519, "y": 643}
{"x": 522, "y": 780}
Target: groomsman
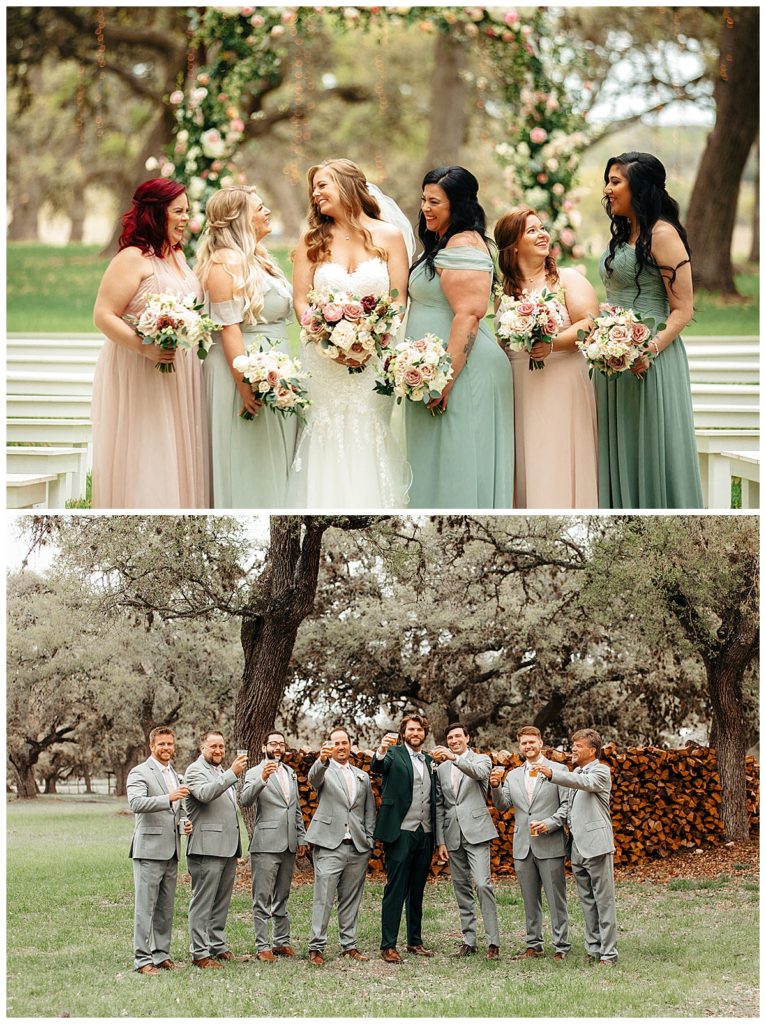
{"x": 154, "y": 796}
{"x": 213, "y": 848}
{"x": 590, "y": 823}
{"x": 539, "y": 842}
{"x": 406, "y": 825}
{"x": 341, "y": 833}
{"x": 278, "y": 833}
{"x": 464, "y": 828}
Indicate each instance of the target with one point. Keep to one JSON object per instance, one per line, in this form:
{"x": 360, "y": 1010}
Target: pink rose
{"x": 511, "y": 17}
{"x": 427, "y": 372}
{"x": 413, "y": 378}
{"x": 618, "y": 363}
{"x": 307, "y": 316}
{"x": 618, "y": 334}
{"x": 538, "y": 135}
{"x": 384, "y": 341}
{"x": 353, "y": 311}
{"x": 641, "y": 333}
{"x": 526, "y": 308}
{"x": 332, "y": 312}
{"x": 369, "y": 302}
{"x": 551, "y": 325}
{"x": 420, "y": 345}
{"x": 273, "y": 377}
{"x": 567, "y": 236}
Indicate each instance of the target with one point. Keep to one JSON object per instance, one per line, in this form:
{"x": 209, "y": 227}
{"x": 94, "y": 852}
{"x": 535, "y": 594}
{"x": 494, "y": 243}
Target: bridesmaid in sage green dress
{"x": 247, "y": 293}
{"x": 647, "y": 449}
{"x": 460, "y": 447}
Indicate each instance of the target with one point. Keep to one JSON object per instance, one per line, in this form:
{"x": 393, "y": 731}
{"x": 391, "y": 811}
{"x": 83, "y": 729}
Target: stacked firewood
{"x": 662, "y": 801}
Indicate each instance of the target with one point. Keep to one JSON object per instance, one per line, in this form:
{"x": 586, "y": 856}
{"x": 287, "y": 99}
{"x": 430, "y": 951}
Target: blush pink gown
{"x": 150, "y": 432}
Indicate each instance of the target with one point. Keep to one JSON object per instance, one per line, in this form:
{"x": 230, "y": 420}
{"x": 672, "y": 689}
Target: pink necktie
{"x": 283, "y": 782}
{"x": 530, "y": 787}
{"x": 349, "y": 783}
{"x": 455, "y": 779}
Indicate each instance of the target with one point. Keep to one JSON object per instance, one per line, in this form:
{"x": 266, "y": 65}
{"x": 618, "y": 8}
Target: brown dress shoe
{"x": 148, "y": 969}
{"x": 316, "y": 958}
{"x": 283, "y": 951}
{"x": 560, "y": 956}
{"x": 168, "y": 965}
{"x": 465, "y": 950}
{"x": 590, "y": 959}
{"x": 391, "y": 956}
{"x": 528, "y": 954}
{"x": 493, "y": 952}
{"x": 420, "y": 951}
{"x": 355, "y": 955}
{"x": 266, "y": 955}
{"x": 207, "y": 963}
{"x": 607, "y": 963}
{"x": 226, "y": 955}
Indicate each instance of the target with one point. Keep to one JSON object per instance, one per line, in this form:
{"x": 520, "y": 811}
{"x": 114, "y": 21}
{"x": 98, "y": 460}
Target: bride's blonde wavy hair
{"x": 230, "y": 241}
{"x": 356, "y": 199}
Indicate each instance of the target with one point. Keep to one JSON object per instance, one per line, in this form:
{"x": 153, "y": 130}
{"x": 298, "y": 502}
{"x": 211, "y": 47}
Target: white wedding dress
{"x": 346, "y": 456}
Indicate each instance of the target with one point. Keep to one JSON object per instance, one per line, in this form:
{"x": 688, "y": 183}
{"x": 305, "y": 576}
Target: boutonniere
{"x": 434, "y": 767}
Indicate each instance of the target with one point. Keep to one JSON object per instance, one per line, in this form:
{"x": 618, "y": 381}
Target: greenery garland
{"x": 542, "y": 134}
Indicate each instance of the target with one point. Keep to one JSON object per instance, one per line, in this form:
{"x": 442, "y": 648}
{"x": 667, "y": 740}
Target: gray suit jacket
{"x": 278, "y": 822}
{"x": 589, "y": 818}
{"x": 548, "y": 805}
{"x": 212, "y": 807}
{"x": 464, "y": 812}
{"x": 156, "y": 833}
{"x": 334, "y": 815}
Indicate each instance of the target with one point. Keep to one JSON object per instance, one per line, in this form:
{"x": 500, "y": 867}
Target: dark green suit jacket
{"x": 397, "y": 771}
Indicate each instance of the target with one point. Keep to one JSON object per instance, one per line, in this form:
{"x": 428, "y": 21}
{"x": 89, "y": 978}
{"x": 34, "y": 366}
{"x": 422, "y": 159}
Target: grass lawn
{"x": 688, "y": 950}
{"x": 53, "y": 288}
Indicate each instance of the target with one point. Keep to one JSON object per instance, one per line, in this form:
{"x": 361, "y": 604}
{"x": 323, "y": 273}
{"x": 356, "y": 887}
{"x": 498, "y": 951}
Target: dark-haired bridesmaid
{"x": 460, "y": 447}
{"x": 150, "y": 436}
{"x": 647, "y": 449}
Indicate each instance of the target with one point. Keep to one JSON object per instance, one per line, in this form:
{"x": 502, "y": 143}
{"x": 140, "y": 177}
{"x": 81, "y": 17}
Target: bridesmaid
{"x": 647, "y": 450}
{"x": 150, "y": 438}
{"x": 555, "y": 408}
{"x": 249, "y": 295}
{"x": 461, "y": 446}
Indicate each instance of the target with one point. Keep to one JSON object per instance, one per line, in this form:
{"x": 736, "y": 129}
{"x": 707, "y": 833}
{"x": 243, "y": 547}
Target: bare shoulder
{"x": 469, "y": 238}
{"x": 385, "y": 231}
{"x": 663, "y": 231}
{"x": 132, "y": 260}
{"x": 571, "y": 276}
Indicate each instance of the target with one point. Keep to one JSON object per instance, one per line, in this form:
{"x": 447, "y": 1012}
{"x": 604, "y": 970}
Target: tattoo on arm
{"x": 469, "y": 343}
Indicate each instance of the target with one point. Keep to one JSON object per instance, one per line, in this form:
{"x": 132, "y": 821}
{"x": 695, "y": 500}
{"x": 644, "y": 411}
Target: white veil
{"x": 392, "y": 214}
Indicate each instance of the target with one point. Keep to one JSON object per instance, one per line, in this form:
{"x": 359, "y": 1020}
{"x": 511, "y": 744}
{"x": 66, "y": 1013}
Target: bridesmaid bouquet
{"x": 418, "y": 370}
{"x": 172, "y": 322}
{"x": 353, "y": 326}
{"x": 521, "y": 323}
{"x": 275, "y": 379}
{"x": 617, "y": 339}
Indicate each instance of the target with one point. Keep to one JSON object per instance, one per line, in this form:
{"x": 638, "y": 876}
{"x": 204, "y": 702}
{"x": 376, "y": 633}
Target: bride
{"x": 347, "y": 456}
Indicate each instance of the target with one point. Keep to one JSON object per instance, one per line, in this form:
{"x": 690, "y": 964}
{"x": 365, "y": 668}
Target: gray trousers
{"x": 534, "y": 875}
{"x": 272, "y": 875}
{"x": 595, "y": 887}
{"x": 340, "y": 871}
{"x": 212, "y": 881}
{"x": 155, "y": 885}
{"x": 469, "y": 867}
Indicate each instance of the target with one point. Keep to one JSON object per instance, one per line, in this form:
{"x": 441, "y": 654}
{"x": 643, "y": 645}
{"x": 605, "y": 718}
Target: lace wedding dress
{"x": 347, "y": 457}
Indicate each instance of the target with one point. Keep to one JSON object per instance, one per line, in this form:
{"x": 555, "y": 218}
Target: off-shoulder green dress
{"x": 251, "y": 458}
{"x": 647, "y": 454}
{"x": 464, "y": 457}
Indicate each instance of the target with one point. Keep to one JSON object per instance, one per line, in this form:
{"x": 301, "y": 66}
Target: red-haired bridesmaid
{"x": 150, "y": 436}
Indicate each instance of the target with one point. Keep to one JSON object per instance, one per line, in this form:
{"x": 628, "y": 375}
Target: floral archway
{"x": 542, "y": 135}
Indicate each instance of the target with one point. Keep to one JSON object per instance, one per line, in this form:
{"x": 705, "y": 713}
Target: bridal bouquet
{"x": 617, "y": 339}
{"x": 356, "y": 327}
{"x": 418, "y": 370}
{"x": 172, "y": 322}
{"x": 275, "y": 379}
{"x": 521, "y": 323}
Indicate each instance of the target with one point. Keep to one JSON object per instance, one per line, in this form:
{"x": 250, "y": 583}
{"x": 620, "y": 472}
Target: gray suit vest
{"x": 419, "y": 811}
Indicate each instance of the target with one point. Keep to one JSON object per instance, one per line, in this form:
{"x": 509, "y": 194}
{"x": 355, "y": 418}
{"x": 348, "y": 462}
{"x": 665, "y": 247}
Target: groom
{"x": 406, "y": 824}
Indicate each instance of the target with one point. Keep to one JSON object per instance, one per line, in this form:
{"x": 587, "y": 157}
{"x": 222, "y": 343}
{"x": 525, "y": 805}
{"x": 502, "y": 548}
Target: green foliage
{"x": 83, "y": 915}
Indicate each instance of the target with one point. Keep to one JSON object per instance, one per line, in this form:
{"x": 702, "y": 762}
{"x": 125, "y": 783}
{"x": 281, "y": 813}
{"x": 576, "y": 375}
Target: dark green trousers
{"x": 408, "y": 862}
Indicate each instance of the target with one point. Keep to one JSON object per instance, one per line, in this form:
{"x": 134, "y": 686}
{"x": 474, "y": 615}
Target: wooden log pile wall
{"x": 662, "y": 801}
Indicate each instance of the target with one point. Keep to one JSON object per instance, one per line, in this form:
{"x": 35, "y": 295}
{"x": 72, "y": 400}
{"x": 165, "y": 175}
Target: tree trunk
{"x": 713, "y": 204}
{"x": 755, "y": 239}
{"x": 26, "y": 203}
{"x": 87, "y": 778}
{"x": 77, "y": 212}
{"x": 50, "y": 784}
{"x": 731, "y": 733}
{"x": 121, "y": 769}
{"x": 26, "y": 784}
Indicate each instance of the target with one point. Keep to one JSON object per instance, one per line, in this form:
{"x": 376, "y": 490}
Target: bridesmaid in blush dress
{"x": 555, "y": 407}
{"x": 460, "y": 446}
{"x": 647, "y": 448}
{"x": 249, "y": 295}
{"x": 150, "y": 438}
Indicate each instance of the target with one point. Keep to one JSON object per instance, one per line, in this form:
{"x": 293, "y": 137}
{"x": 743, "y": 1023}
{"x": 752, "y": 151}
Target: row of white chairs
{"x": 48, "y": 430}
